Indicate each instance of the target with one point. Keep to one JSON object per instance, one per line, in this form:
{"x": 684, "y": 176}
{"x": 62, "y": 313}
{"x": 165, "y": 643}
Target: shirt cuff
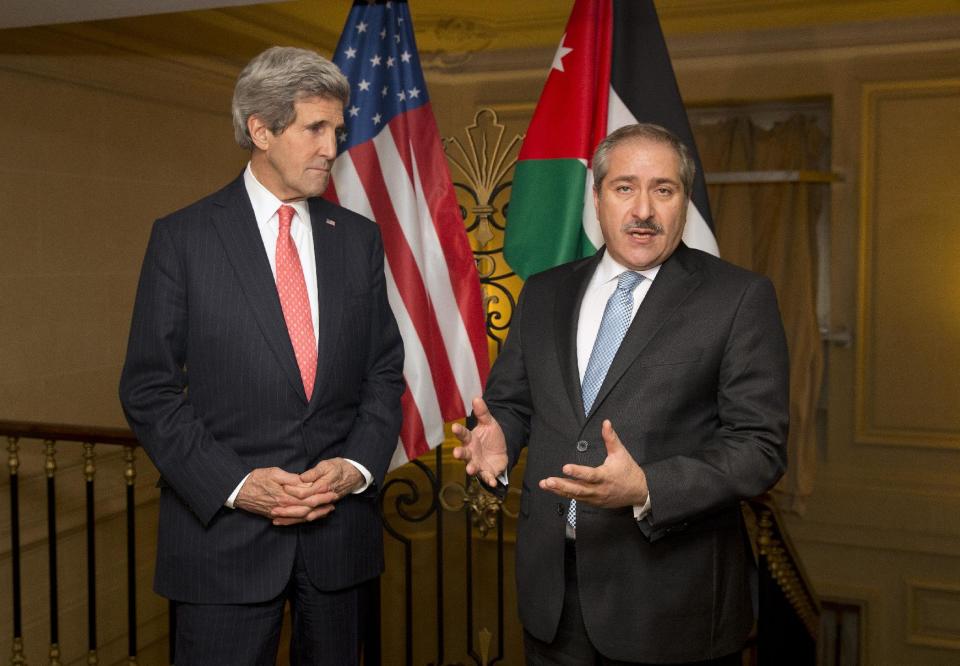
{"x": 236, "y": 491}
{"x": 367, "y": 476}
{"x": 641, "y": 512}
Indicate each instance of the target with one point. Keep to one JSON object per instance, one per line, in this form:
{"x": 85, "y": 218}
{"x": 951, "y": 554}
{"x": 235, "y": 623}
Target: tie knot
{"x": 286, "y": 217}
{"x": 628, "y": 280}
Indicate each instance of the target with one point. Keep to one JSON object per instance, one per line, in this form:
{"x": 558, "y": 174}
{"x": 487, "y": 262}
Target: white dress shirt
{"x": 265, "y": 207}
{"x": 601, "y": 287}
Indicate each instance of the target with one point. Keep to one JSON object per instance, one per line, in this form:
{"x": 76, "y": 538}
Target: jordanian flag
{"x": 611, "y": 69}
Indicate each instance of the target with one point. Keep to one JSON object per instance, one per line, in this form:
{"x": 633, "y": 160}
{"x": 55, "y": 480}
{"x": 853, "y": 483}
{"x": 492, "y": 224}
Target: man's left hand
{"x": 618, "y": 482}
{"x": 319, "y": 489}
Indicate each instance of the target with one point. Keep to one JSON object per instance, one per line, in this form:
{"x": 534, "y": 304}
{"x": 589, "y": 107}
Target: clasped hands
{"x": 288, "y": 499}
{"x": 618, "y": 482}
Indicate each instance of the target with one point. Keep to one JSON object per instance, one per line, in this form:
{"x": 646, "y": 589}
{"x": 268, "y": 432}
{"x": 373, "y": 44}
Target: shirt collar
{"x": 265, "y": 203}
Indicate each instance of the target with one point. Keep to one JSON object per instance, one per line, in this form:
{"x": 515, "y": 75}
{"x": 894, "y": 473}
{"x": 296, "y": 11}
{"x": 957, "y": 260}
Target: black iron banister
{"x": 51, "y": 434}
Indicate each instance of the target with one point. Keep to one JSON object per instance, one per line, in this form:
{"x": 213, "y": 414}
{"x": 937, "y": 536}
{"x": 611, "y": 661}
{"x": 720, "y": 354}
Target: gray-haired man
{"x": 263, "y": 378}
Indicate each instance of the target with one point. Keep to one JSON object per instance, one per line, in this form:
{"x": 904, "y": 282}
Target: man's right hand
{"x": 264, "y": 490}
{"x": 484, "y": 448}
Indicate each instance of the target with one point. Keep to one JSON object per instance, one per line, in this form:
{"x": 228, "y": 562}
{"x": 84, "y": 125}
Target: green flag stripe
{"x": 546, "y": 213}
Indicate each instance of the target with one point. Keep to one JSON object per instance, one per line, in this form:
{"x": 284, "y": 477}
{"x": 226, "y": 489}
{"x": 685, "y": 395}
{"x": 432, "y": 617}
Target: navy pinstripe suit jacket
{"x": 212, "y": 390}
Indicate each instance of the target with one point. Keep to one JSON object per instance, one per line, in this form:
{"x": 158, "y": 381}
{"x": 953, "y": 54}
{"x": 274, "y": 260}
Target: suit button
{"x": 559, "y": 509}
{"x": 583, "y": 445}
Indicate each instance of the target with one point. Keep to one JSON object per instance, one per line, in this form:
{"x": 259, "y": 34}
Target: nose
{"x": 328, "y": 145}
{"x": 640, "y": 206}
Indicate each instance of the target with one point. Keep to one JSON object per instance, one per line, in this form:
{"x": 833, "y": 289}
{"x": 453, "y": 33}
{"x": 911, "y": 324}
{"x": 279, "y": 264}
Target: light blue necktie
{"x": 617, "y": 316}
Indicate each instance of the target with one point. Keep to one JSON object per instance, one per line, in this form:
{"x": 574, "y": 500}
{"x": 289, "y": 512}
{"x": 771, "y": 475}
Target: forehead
{"x": 313, "y": 108}
{"x": 643, "y": 158}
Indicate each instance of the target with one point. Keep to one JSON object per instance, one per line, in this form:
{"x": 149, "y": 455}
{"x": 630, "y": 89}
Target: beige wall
{"x": 96, "y": 145}
{"x": 97, "y": 142}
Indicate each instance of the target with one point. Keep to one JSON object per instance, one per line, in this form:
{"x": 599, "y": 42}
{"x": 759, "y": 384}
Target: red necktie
{"x": 293, "y": 299}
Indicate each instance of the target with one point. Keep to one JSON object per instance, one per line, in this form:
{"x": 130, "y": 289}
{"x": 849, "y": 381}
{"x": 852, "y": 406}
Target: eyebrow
{"x": 633, "y": 179}
{"x": 326, "y": 121}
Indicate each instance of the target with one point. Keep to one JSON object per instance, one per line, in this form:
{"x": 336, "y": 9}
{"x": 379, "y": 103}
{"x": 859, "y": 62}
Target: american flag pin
{"x": 332, "y": 223}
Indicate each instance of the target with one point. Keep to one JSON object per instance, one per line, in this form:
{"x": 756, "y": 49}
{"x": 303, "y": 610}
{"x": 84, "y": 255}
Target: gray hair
{"x": 644, "y": 132}
{"x": 273, "y": 81}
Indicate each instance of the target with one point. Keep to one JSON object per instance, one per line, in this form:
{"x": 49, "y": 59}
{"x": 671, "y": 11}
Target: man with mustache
{"x": 263, "y": 378}
{"x": 649, "y": 384}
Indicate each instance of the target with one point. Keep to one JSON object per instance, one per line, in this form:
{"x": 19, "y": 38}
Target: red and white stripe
{"x": 401, "y": 180}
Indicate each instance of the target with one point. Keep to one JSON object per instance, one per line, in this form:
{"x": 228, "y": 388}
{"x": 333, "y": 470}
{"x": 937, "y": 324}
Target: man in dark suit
{"x": 263, "y": 378}
{"x": 649, "y": 384}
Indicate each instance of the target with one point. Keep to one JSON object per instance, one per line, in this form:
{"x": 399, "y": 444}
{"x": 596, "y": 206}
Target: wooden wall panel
{"x": 908, "y": 387}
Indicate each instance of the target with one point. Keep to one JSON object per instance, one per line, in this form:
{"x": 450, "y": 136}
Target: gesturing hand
{"x": 484, "y": 448}
{"x": 618, "y": 482}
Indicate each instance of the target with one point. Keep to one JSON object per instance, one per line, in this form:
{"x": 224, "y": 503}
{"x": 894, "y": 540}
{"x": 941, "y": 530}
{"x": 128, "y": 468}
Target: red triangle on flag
{"x": 571, "y": 116}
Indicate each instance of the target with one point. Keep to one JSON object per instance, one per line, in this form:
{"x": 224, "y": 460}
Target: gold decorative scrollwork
{"x": 482, "y": 169}
{"x": 50, "y": 458}
{"x": 17, "y": 657}
{"x": 130, "y": 473}
{"x": 783, "y": 571}
{"x": 482, "y": 505}
{"x": 13, "y": 457}
{"x": 89, "y": 462}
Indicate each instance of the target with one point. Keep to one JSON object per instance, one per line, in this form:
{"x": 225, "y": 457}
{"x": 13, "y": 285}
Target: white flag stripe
{"x": 416, "y": 371}
{"x": 591, "y": 225}
{"x": 416, "y": 222}
{"x": 399, "y": 457}
{"x": 696, "y": 233}
{"x": 352, "y": 195}
{"x": 455, "y": 336}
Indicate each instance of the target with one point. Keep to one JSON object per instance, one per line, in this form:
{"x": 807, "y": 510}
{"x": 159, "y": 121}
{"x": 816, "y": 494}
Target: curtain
{"x": 772, "y": 229}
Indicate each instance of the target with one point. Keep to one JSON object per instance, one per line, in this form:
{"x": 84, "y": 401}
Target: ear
{"x": 596, "y": 200}
{"x": 260, "y": 134}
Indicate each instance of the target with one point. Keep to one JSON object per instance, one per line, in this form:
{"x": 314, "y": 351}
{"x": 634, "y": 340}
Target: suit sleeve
{"x": 373, "y": 437}
{"x": 747, "y": 454}
{"x": 153, "y": 387}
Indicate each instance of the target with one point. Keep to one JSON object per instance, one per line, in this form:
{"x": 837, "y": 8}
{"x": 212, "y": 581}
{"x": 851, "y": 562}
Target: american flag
{"x": 391, "y": 168}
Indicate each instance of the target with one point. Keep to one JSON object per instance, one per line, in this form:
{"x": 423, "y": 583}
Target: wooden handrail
{"x": 66, "y": 432}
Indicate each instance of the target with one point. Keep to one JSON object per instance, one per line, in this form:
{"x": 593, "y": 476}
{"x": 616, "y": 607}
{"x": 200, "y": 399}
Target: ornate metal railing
{"x": 788, "y": 623}
{"x": 84, "y": 442}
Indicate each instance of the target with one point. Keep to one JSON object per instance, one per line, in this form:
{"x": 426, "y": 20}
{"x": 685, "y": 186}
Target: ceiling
{"x": 233, "y": 33}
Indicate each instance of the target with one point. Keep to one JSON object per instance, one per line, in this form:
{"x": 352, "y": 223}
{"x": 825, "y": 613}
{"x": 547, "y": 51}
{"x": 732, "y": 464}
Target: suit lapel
{"x": 236, "y": 225}
{"x": 328, "y": 250}
{"x": 674, "y": 283}
{"x": 567, "y": 315}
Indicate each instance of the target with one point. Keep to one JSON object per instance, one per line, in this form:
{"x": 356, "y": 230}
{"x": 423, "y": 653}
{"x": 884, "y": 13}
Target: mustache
{"x": 647, "y": 224}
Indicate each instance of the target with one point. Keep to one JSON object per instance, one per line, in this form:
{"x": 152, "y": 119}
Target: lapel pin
{"x": 332, "y": 223}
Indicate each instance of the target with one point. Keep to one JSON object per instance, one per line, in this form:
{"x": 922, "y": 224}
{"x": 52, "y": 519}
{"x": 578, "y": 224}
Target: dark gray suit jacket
{"x": 212, "y": 390}
{"x": 698, "y": 392}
